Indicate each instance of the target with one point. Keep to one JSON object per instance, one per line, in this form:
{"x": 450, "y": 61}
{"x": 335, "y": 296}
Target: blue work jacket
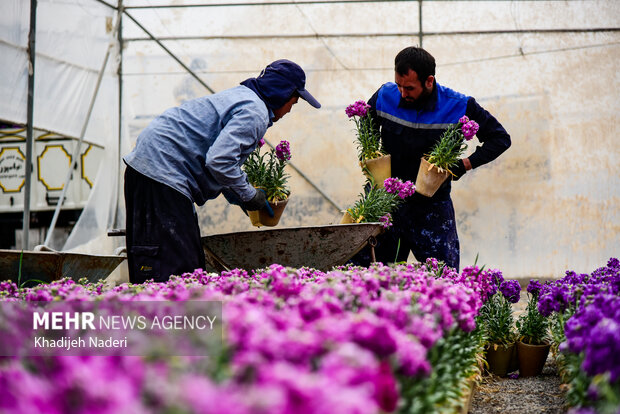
{"x": 198, "y": 148}
{"x": 410, "y": 133}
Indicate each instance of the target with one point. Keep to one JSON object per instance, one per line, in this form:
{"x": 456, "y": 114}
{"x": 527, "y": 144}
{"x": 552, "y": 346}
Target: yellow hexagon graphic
{"x": 49, "y": 163}
{"x": 12, "y": 169}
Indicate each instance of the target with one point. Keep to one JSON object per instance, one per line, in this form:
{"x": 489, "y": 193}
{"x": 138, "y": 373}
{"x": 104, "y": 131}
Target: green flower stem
{"x": 266, "y": 171}
{"x": 449, "y": 149}
{"x": 369, "y": 144}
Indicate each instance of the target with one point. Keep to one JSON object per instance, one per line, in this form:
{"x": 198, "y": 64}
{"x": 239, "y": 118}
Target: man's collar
{"x": 271, "y": 116}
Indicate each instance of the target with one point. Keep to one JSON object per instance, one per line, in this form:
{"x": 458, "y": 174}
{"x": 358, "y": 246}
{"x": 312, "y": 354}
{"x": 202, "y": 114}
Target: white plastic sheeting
{"x": 546, "y": 69}
{"x": 72, "y": 37}
{"x": 71, "y": 40}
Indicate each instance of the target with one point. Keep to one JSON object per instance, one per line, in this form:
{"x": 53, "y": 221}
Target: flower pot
{"x": 514, "y": 361}
{"x": 532, "y": 358}
{"x": 261, "y": 217}
{"x": 379, "y": 168}
{"x": 254, "y": 218}
{"x": 499, "y": 358}
{"x": 429, "y": 178}
{"x": 346, "y": 218}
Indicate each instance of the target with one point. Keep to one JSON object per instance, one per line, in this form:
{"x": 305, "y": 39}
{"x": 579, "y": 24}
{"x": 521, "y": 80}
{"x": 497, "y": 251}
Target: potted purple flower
{"x": 533, "y": 332}
{"x": 376, "y": 204}
{"x": 266, "y": 171}
{"x": 375, "y": 161}
{"x": 496, "y": 318}
{"x": 435, "y": 166}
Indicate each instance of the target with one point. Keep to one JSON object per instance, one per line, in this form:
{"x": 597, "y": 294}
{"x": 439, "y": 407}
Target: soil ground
{"x": 541, "y": 394}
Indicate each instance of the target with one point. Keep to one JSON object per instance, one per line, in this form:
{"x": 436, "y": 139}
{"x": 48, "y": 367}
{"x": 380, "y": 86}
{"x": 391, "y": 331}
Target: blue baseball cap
{"x": 293, "y": 73}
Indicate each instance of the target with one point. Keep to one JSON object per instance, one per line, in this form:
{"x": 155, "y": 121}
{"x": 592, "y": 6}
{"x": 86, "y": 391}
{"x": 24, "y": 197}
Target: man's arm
{"x": 494, "y": 138}
{"x": 234, "y": 143}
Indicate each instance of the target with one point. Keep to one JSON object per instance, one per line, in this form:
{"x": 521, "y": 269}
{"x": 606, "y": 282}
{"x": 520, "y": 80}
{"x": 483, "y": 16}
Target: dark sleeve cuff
{"x": 458, "y": 170}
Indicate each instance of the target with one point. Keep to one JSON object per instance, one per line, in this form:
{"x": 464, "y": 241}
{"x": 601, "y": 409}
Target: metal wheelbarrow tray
{"x": 319, "y": 247}
{"x": 47, "y": 266}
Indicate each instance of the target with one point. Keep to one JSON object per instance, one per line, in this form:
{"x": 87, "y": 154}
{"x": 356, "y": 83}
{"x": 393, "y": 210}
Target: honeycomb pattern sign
{"x": 12, "y": 169}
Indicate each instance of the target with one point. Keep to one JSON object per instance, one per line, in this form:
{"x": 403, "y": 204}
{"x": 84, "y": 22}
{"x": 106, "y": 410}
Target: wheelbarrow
{"x": 319, "y": 247}
{"x": 48, "y": 266}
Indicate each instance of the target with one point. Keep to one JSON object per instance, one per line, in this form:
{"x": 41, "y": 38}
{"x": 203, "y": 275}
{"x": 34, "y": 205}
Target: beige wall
{"x": 549, "y": 204}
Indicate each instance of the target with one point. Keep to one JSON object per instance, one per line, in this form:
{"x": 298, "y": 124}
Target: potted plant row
{"x": 533, "y": 331}
{"x": 522, "y": 345}
{"x": 496, "y": 316}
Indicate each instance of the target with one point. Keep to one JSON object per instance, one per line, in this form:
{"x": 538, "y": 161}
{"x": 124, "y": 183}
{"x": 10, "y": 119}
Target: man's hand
{"x": 259, "y": 202}
{"x": 233, "y": 199}
{"x": 462, "y": 166}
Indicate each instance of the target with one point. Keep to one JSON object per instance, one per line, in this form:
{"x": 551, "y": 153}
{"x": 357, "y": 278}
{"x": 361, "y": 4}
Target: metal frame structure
{"x": 124, "y": 11}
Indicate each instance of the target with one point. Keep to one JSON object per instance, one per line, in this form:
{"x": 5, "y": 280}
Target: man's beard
{"x": 416, "y": 103}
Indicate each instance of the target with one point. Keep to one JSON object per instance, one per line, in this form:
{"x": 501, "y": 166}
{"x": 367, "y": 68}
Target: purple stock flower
{"x": 392, "y": 185}
{"x": 386, "y": 390}
{"x": 283, "y": 151}
{"x": 464, "y": 119}
{"x": 8, "y": 288}
{"x": 261, "y": 142}
{"x": 288, "y": 332}
{"x": 39, "y": 295}
{"x": 310, "y": 310}
{"x": 553, "y": 298}
{"x": 469, "y": 129}
{"x": 397, "y": 186}
{"x": 592, "y": 393}
{"x": 406, "y": 189}
{"x": 595, "y": 330}
{"x": 359, "y": 108}
{"x": 374, "y": 337}
{"x": 496, "y": 276}
{"x": 386, "y": 221}
{"x": 432, "y": 263}
{"x": 511, "y": 290}
{"x": 534, "y": 287}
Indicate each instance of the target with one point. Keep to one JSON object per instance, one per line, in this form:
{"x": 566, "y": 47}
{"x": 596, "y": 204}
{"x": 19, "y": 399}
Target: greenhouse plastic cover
{"x": 546, "y": 69}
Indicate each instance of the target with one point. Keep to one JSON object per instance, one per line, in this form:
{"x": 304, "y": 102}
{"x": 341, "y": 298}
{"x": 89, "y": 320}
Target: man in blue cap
{"x": 192, "y": 153}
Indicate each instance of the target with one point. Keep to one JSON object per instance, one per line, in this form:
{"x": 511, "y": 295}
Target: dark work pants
{"x": 426, "y": 229}
{"x": 163, "y": 237}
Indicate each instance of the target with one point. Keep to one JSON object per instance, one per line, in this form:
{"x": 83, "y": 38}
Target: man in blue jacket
{"x": 412, "y": 113}
{"x": 191, "y": 154}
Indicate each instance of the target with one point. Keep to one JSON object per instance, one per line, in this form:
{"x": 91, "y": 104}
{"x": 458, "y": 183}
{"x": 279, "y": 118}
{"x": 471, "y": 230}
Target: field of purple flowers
{"x": 402, "y": 338}
{"x": 585, "y": 325}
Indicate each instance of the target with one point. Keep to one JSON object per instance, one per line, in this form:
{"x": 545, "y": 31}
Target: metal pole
{"x": 376, "y": 35}
{"x": 420, "y": 21}
{"x": 120, "y": 111}
{"x": 264, "y": 3}
{"x": 29, "y": 127}
{"x": 76, "y": 152}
